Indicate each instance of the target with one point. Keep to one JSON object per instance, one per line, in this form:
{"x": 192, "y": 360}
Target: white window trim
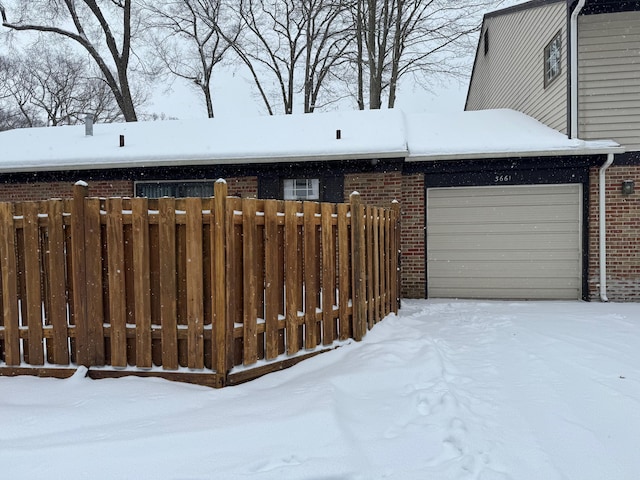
{"x": 553, "y": 59}
{"x": 301, "y": 188}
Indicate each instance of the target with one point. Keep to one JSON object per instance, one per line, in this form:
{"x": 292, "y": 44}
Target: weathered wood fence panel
{"x": 200, "y": 289}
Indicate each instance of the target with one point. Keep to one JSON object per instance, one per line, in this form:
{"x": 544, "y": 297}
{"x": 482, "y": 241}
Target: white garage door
{"x": 511, "y": 242}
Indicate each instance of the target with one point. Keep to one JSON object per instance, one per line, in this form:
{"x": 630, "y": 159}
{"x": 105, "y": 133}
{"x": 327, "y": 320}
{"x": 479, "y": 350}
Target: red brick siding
{"x": 380, "y": 189}
{"x": 623, "y": 235}
{"x": 246, "y": 187}
{"x": 21, "y": 192}
{"x": 377, "y": 189}
{"x": 414, "y": 277}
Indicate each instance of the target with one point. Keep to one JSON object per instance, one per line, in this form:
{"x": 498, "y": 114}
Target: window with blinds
{"x": 174, "y": 189}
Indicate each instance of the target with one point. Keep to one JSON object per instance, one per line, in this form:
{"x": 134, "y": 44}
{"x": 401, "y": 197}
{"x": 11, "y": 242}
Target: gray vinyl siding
{"x": 609, "y": 78}
{"x": 511, "y": 74}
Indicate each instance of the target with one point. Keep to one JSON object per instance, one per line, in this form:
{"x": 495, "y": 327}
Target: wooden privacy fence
{"x": 212, "y": 291}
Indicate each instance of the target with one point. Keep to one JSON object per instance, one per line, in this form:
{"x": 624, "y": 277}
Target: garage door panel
{"x": 489, "y": 284}
{"x": 501, "y": 270}
{"x": 505, "y": 255}
{"x": 470, "y": 199}
{"x": 505, "y": 242}
{"x": 474, "y": 215}
{"x": 504, "y": 293}
{"x": 502, "y": 242}
{"x": 447, "y": 229}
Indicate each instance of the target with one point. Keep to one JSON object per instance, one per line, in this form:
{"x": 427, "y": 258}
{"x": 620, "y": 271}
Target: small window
{"x": 174, "y": 189}
{"x": 553, "y": 59}
{"x": 301, "y": 189}
{"x": 486, "y": 41}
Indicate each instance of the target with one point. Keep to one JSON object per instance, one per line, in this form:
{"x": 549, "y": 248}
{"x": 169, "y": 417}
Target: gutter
{"x": 603, "y": 229}
{"x": 573, "y": 127}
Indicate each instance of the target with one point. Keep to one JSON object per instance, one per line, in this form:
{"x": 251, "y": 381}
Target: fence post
{"x": 396, "y": 257}
{"x": 358, "y": 265}
{"x": 223, "y": 333}
{"x": 79, "y": 274}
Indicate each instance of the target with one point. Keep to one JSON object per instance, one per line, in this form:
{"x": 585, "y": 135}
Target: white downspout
{"x": 603, "y": 229}
{"x": 573, "y": 128}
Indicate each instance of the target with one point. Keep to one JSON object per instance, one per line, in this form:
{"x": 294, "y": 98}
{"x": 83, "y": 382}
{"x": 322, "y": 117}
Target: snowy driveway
{"x": 447, "y": 390}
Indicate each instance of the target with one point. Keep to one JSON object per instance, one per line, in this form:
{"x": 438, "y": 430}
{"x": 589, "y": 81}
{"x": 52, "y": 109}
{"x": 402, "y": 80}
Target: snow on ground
{"x": 446, "y": 390}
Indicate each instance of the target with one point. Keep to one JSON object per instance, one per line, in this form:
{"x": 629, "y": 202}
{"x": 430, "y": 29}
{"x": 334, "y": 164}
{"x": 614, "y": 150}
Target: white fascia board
{"x": 516, "y": 154}
{"x": 112, "y": 164}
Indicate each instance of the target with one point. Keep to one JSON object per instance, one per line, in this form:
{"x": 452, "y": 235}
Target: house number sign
{"x": 502, "y": 178}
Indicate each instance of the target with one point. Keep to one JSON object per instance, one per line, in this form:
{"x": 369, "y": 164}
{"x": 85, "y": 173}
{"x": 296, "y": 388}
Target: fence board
{"x": 311, "y": 260}
{"x": 195, "y": 291}
{"x": 167, "y": 282}
{"x": 344, "y": 274}
{"x": 222, "y": 329}
{"x": 79, "y": 277}
{"x": 291, "y": 276}
{"x": 250, "y": 333}
{"x": 93, "y": 272}
{"x": 358, "y": 255}
{"x": 272, "y": 286}
{"x": 57, "y": 312}
{"x": 116, "y": 282}
{"x": 384, "y": 266}
{"x": 328, "y": 274}
{"x": 141, "y": 281}
{"x": 235, "y": 290}
{"x": 369, "y": 275}
{"x": 33, "y": 300}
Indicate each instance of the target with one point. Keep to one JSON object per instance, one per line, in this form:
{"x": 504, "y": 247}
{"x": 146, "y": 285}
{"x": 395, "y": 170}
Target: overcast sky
{"x": 233, "y": 97}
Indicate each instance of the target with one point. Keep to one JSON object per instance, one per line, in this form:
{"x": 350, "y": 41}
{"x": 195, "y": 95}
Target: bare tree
{"x": 47, "y": 86}
{"x": 188, "y": 40}
{"x": 15, "y": 94}
{"x": 105, "y": 31}
{"x": 328, "y": 34}
{"x": 296, "y": 45}
{"x": 424, "y": 38}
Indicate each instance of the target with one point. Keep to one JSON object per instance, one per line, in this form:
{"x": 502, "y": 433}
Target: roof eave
{"x": 203, "y": 160}
{"x": 516, "y": 154}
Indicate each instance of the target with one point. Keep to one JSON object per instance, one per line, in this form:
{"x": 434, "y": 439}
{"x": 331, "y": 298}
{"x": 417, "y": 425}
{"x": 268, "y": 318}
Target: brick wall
{"x": 623, "y": 235}
{"x": 380, "y": 189}
{"x": 414, "y": 276}
{"x": 246, "y": 187}
{"x": 22, "y": 192}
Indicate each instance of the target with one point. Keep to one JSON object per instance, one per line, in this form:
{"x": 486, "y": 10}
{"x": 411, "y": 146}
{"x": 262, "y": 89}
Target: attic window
{"x": 553, "y": 59}
{"x": 486, "y": 41}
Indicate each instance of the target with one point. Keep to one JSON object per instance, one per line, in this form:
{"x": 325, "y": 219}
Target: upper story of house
{"x": 574, "y": 65}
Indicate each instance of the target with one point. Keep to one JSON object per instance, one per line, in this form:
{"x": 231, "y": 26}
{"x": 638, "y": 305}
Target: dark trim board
{"x": 609, "y": 6}
{"x": 516, "y": 171}
{"x": 521, "y": 7}
{"x": 627, "y": 159}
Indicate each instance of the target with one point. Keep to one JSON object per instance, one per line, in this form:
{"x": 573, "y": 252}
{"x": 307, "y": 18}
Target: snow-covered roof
{"x": 309, "y": 137}
{"x": 492, "y": 134}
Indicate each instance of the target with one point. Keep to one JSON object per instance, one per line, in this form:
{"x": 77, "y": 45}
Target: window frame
{"x": 176, "y": 184}
{"x": 553, "y": 71}
{"x": 315, "y": 188}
